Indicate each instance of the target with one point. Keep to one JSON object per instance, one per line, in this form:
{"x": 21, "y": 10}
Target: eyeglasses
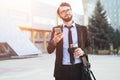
{"x": 65, "y": 11}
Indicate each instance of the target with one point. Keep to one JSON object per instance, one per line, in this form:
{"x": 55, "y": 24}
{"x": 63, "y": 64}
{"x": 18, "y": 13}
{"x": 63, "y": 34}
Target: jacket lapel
{"x": 80, "y": 35}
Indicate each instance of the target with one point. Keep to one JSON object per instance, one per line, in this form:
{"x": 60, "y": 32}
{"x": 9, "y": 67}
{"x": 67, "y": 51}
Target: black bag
{"x": 87, "y": 74}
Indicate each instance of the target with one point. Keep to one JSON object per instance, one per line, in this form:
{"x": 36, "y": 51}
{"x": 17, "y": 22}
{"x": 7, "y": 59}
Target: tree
{"x": 116, "y": 39}
{"x": 99, "y": 28}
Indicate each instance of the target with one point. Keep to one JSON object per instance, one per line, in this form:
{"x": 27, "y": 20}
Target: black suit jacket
{"x": 83, "y": 42}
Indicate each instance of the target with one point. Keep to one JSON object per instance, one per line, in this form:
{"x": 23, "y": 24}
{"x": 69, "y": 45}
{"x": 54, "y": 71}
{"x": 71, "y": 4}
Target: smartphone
{"x": 58, "y": 30}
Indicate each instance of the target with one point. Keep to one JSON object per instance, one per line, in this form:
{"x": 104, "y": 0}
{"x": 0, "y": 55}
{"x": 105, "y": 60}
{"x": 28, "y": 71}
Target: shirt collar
{"x": 73, "y": 24}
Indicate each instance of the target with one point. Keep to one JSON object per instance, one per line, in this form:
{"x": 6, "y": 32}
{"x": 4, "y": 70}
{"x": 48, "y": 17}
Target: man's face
{"x": 65, "y": 13}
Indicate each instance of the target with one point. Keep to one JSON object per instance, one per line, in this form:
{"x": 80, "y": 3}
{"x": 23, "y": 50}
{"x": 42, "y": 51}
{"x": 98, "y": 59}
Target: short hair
{"x": 63, "y": 4}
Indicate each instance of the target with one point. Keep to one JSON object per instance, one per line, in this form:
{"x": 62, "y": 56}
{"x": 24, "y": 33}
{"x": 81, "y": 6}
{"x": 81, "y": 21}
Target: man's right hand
{"x": 57, "y": 37}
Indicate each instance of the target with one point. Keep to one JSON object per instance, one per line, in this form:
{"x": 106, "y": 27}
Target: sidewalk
{"x": 105, "y": 67}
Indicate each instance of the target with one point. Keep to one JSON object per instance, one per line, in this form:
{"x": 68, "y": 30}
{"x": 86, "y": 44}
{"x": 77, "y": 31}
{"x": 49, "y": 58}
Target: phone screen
{"x": 58, "y": 30}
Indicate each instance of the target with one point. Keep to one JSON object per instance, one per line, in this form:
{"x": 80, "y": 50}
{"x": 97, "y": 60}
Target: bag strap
{"x": 92, "y": 75}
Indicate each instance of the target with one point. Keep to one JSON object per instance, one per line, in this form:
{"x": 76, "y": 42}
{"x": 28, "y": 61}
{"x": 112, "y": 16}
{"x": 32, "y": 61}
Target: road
{"x": 104, "y": 67}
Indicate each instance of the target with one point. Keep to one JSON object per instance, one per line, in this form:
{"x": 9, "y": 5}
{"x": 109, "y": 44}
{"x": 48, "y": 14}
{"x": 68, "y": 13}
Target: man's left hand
{"x": 78, "y": 52}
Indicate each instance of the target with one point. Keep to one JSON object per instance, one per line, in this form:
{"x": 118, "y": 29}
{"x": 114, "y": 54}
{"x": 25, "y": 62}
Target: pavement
{"x": 104, "y": 67}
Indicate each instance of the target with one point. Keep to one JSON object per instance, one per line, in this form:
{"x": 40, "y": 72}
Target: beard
{"x": 67, "y": 18}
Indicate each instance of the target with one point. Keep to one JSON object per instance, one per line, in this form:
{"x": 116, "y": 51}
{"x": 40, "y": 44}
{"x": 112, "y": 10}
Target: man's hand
{"x": 57, "y": 37}
{"x": 78, "y": 52}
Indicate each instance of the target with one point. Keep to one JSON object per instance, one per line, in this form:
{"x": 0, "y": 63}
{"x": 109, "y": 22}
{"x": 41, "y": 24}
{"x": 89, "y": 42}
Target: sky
{"x": 76, "y": 5}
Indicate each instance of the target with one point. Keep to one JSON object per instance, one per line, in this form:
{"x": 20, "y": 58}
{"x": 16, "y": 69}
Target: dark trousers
{"x": 71, "y": 72}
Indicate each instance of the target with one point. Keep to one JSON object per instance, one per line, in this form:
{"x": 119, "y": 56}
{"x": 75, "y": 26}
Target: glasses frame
{"x": 65, "y": 11}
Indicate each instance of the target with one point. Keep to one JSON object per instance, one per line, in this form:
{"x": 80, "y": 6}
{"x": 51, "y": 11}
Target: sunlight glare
{"x": 77, "y": 5}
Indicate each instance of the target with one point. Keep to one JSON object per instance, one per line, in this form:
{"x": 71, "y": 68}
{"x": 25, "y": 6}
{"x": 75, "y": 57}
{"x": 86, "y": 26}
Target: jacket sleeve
{"x": 88, "y": 47}
{"x": 51, "y": 46}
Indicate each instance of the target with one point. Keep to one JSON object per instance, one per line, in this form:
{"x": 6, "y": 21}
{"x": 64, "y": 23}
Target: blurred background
{"x": 25, "y": 29}
{"x": 35, "y": 19}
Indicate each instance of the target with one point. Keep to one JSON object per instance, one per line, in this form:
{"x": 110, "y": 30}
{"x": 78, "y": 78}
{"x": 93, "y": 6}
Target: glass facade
{"x": 112, "y": 8}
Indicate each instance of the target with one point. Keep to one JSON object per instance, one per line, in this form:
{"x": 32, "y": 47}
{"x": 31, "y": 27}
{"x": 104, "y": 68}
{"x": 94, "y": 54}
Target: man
{"x": 68, "y": 63}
